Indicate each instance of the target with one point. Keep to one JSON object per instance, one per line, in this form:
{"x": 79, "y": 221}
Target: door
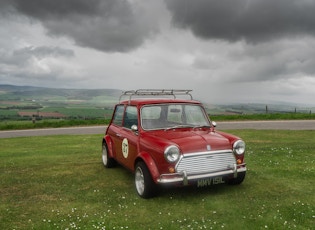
{"x": 125, "y": 140}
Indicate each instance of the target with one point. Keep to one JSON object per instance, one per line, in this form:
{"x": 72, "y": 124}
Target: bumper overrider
{"x": 184, "y": 178}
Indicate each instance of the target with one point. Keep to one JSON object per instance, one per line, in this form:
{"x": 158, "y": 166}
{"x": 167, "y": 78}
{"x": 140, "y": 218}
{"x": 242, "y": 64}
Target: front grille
{"x": 198, "y": 163}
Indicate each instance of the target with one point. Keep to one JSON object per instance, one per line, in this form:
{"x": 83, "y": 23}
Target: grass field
{"x": 58, "y": 182}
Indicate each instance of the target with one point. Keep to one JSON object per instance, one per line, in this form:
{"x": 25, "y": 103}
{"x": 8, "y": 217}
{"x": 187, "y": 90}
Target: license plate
{"x": 210, "y": 181}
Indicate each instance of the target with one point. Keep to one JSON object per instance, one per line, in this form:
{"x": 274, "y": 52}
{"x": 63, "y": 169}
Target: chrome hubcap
{"x": 139, "y": 180}
{"x": 104, "y": 155}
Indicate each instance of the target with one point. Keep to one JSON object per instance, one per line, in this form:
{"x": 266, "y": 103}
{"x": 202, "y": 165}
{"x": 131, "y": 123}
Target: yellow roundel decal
{"x": 125, "y": 147}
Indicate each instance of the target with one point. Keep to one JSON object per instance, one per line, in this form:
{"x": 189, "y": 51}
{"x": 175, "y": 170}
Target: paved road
{"x": 259, "y": 125}
{"x": 273, "y": 125}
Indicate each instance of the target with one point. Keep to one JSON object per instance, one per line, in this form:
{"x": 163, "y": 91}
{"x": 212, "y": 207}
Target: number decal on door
{"x": 125, "y": 148}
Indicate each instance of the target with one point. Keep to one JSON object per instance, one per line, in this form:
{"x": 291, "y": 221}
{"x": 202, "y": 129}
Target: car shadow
{"x": 183, "y": 192}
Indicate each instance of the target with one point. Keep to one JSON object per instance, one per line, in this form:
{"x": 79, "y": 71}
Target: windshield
{"x": 168, "y": 116}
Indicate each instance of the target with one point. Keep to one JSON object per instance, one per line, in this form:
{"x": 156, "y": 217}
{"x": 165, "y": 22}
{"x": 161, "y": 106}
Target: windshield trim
{"x": 207, "y": 122}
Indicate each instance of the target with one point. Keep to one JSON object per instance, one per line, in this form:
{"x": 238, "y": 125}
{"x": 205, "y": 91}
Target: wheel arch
{"x": 150, "y": 163}
{"x": 109, "y": 143}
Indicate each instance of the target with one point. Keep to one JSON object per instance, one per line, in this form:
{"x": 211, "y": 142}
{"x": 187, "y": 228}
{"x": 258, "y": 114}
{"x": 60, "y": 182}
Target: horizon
{"x": 265, "y": 103}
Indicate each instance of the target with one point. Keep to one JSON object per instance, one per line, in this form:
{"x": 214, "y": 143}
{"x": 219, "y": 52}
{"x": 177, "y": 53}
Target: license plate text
{"x": 210, "y": 181}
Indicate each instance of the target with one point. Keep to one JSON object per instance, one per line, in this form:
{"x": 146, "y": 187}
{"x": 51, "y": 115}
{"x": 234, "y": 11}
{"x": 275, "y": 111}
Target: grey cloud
{"x": 56, "y": 10}
{"x": 251, "y": 20}
{"x": 23, "y": 55}
{"x": 107, "y": 25}
{"x": 281, "y": 59}
{"x": 278, "y": 60}
{"x": 33, "y": 63}
{"x": 44, "y": 51}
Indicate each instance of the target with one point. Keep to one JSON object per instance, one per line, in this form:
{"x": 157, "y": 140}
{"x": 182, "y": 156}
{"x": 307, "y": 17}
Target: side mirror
{"x": 134, "y": 128}
{"x": 214, "y": 124}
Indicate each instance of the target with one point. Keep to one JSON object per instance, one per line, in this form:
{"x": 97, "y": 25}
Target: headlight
{"x": 239, "y": 147}
{"x": 171, "y": 153}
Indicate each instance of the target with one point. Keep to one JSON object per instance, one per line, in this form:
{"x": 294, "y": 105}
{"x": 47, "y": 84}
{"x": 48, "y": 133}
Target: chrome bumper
{"x": 182, "y": 177}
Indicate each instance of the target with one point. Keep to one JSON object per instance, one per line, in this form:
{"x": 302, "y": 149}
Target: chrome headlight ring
{"x": 239, "y": 147}
{"x": 172, "y": 153}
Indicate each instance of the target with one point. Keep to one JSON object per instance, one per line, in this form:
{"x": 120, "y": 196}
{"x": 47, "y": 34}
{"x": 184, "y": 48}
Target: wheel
{"x": 145, "y": 186}
{"x": 108, "y": 162}
{"x": 238, "y": 180}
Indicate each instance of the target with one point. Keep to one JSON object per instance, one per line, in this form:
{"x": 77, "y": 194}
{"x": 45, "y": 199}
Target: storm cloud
{"x": 110, "y": 26}
{"x": 252, "y": 20}
{"x": 225, "y": 50}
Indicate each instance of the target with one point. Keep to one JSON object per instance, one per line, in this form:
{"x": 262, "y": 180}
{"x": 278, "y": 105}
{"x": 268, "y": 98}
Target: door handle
{"x": 118, "y": 135}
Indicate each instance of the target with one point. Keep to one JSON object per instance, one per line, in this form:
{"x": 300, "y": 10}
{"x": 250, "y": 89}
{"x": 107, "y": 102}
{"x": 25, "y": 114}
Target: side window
{"x": 130, "y": 117}
{"x": 118, "y": 115}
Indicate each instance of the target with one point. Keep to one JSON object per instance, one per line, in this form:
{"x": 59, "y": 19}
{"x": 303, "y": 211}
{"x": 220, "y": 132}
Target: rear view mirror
{"x": 175, "y": 110}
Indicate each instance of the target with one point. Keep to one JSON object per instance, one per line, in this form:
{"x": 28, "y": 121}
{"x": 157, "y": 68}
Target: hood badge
{"x": 208, "y": 147}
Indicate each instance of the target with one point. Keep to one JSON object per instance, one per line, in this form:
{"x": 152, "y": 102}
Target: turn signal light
{"x": 171, "y": 169}
{"x": 239, "y": 161}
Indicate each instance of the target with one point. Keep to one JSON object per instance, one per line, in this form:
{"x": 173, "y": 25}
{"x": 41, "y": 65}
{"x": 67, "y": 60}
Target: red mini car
{"x": 170, "y": 141}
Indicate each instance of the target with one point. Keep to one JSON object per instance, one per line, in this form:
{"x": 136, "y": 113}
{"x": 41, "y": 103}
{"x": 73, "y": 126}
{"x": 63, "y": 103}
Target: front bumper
{"x": 185, "y": 179}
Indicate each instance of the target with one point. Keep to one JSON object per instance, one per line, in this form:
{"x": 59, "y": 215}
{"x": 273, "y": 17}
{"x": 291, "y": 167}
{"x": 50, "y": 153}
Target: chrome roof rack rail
{"x": 156, "y": 92}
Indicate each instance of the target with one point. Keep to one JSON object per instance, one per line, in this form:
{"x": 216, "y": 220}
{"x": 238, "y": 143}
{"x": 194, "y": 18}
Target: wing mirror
{"x": 134, "y": 129}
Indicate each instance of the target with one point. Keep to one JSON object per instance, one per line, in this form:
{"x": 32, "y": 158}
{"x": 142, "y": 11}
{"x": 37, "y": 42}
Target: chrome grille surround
{"x": 206, "y": 162}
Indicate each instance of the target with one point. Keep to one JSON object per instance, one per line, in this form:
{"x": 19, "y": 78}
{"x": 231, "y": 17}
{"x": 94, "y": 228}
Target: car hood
{"x": 193, "y": 141}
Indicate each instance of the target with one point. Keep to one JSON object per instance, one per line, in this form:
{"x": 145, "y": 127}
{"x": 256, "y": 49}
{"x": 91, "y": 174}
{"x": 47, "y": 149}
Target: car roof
{"x": 150, "y": 101}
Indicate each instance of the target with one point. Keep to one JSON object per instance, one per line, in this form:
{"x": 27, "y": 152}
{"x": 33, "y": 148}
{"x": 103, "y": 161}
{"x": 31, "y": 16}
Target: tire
{"x": 145, "y": 186}
{"x": 108, "y": 162}
{"x": 238, "y": 180}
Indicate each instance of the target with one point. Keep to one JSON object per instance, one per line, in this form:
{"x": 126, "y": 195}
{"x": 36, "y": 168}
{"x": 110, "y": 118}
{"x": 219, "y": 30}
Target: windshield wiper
{"x": 179, "y": 126}
{"x": 202, "y": 126}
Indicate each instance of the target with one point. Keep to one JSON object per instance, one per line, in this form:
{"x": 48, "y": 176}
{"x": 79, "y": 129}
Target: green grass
{"x": 59, "y": 182}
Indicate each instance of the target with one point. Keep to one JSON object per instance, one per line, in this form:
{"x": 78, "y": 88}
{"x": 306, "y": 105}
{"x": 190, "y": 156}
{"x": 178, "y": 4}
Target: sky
{"x": 226, "y": 51}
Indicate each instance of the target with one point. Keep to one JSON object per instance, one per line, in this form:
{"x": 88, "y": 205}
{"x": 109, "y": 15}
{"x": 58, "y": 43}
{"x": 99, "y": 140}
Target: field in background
{"x": 23, "y": 107}
{"x": 59, "y": 182}
{"x": 36, "y": 103}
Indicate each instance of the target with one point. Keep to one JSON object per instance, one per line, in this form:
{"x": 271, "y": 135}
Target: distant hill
{"x": 66, "y": 101}
{"x": 40, "y": 92}
{"x": 22, "y": 102}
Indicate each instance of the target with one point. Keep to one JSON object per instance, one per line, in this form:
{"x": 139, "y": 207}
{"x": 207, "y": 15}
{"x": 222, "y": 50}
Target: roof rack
{"x": 156, "y": 92}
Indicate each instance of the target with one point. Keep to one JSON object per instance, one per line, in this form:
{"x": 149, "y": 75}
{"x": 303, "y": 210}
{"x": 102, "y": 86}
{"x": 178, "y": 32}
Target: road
{"x": 259, "y": 125}
{"x": 271, "y": 125}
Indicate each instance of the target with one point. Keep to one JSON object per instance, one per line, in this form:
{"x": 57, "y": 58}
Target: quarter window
{"x": 118, "y": 115}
